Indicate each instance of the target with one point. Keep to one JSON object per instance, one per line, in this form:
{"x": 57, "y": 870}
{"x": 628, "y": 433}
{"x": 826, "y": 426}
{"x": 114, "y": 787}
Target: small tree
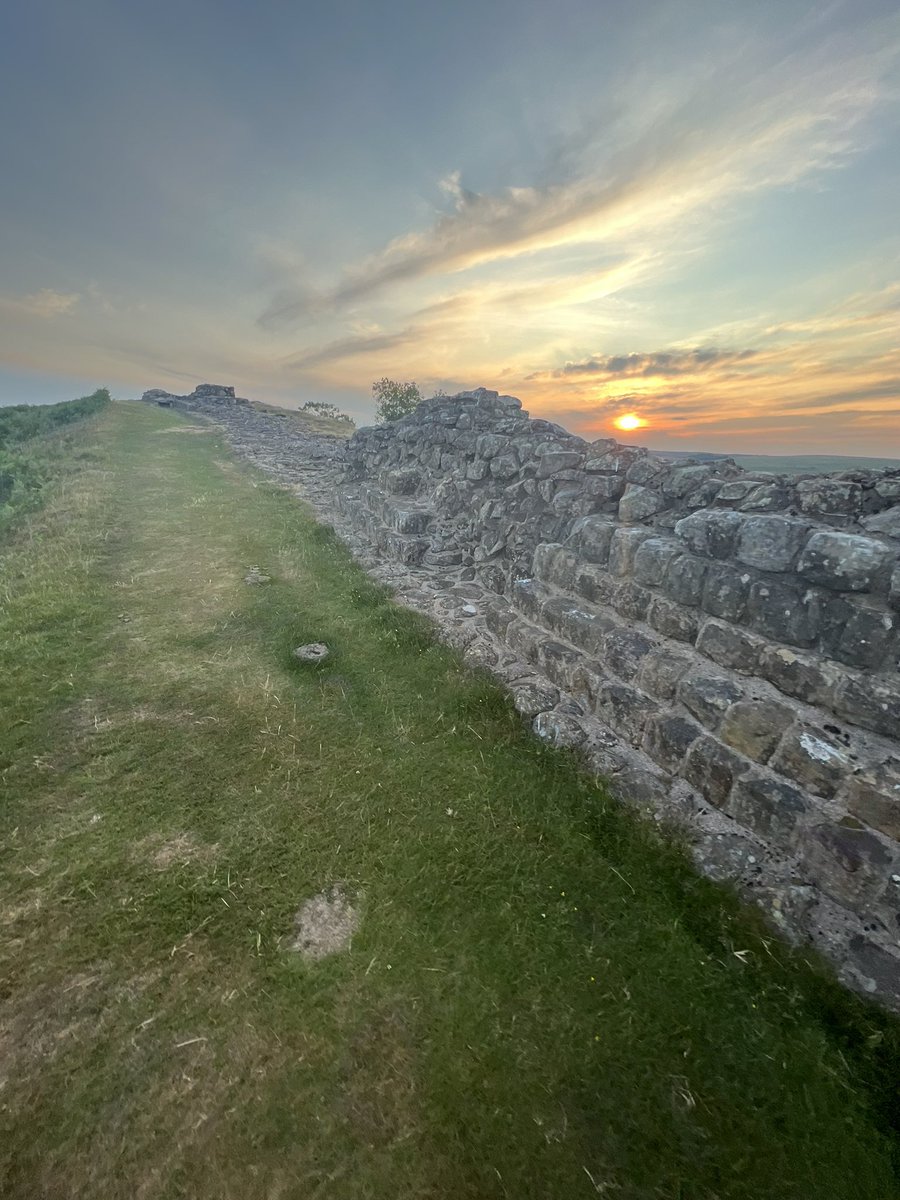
{"x": 395, "y": 400}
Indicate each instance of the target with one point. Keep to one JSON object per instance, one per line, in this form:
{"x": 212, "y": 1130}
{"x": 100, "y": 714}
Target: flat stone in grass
{"x": 324, "y": 924}
{"x": 312, "y": 652}
{"x": 256, "y": 575}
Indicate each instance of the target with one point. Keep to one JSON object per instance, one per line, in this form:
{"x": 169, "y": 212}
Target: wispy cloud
{"x": 665, "y": 363}
{"x": 45, "y": 304}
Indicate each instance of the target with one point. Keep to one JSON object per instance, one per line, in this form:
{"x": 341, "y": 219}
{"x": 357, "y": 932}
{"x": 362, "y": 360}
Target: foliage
{"x": 395, "y": 400}
{"x": 320, "y": 408}
{"x": 28, "y": 456}
{"x": 543, "y": 998}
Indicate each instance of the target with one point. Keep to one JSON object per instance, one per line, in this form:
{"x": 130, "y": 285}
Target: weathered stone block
{"x": 639, "y": 503}
{"x": 594, "y": 583}
{"x": 544, "y": 556}
{"x": 884, "y": 522}
{"x": 477, "y": 470}
{"x": 410, "y": 520}
{"x": 712, "y": 769}
{"x": 585, "y": 629}
{"x": 652, "y": 557}
{"x": 755, "y": 727}
{"x": 533, "y": 696}
{"x": 587, "y": 679}
{"x": 708, "y": 697}
{"x": 729, "y": 646}
{"x": 814, "y": 759}
{"x": 528, "y": 596}
{"x": 894, "y": 588}
{"x": 874, "y": 797}
{"x": 783, "y": 611}
{"x": 869, "y": 701}
{"x": 631, "y": 600}
{"x": 771, "y": 543}
{"x": 489, "y": 445}
{"x": 849, "y": 862}
{"x": 825, "y": 497}
{"x": 504, "y": 466}
{"x": 879, "y": 967}
{"x": 844, "y": 562}
{"x": 623, "y": 547}
{"x": 662, "y": 669}
{"x": 563, "y": 569}
{"x": 603, "y": 487}
{"x": 804, "y": 676}
{"x": 647, "y": 471}
{"x": 668, "y": 738}
{"x": 591, "y": 538}
{"x": 766, "y": 497}
{"x": 558, "y": 661}
{"x": 711, "y": 531}
{"x": 858, "y": 634}
{"x": 684, "y": 579}
{"x": 775, "y": 811}
{"x": 624, "y": 708}
{"x": 726, "y": 591}
{"x": 559, "y": 729}
{"x": 552, "y": 461}
{"x": 625, "y": 649}
{"x": 672, "y": 619}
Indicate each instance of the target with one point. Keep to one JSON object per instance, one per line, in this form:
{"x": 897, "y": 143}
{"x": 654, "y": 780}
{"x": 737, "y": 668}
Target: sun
{"x": 629, "y": 421}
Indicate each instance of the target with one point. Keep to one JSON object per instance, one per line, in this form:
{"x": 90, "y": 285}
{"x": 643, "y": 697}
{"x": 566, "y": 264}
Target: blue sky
{"x": 683, "y": 211}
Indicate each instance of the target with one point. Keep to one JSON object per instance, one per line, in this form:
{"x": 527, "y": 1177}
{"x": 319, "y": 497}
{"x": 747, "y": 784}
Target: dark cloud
{"x": 665, "y": 363}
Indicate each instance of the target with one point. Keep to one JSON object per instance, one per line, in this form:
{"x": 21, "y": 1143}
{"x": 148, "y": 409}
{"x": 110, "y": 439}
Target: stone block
{"x": 878, "y": 967}
{"x": 869, "y": 701}
{"x": 814, "y": 759}
{"x": 410, "y": 520}
{"x": 672, "y": 619}
{"x": 894, "y": 588}
{"x": 848, "y": 861}
{"x": 647, "y": 471}
{"x": 874, "y": 797}
{"x": 558, "y": 661}
{"x": 625, "y": 650}
{"x": 587, "y": 679}
{"x": 726, "y": 591}
{"x": 562, "y": 570}
{"x": 806, "y": 677}
{"x": 684, "y": 579}
{"x": 711, "y": 532}
{"x": 625, "y": 708}
{"x": 755, "y": 727}
{"x": 829, "y": 497}
{"x": 604, "y": 487}
{"x": 884, "y": 522}
{"x": 544, "y": 556}
{"x": 843, "y": 562}
{"x": 498, "y": 617}
{"x": 662, "y": 669}
{"x": 652, "y": 557}
{"x": 708, "y": 697}
{"x": 771, "y": 543}
{"x": 668, "y": 738}
{"x": 623, "y": 547}
{"x": 528, "y": 596}
{"x": 591, "y": 538}
{"x": 682, "y": 481}
{"x": 775, "y": 811}
{"x": 712, "y": 769}
{"x": 489, "y": 445}
{"x": 552, "y": 461}
{"x": 639, "y": 503}
{"x": 631, "y": 600}
{"x": 781, "y": 610}
{"x": 477, "y": 470}
{"x": 594, "y": 583}
{"x": 858, "y": 634}
{"x": 586, "y": 629}
{"x": 766, "y": 497}
{"x": 729, "y": 646}
{"x": 559, "y": 729}
{"x": 504, "y": 466}
{"x": 533, "y": 696}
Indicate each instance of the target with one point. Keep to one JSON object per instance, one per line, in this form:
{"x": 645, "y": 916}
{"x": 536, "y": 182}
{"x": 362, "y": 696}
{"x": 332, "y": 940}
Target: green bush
{"x": 394, "y": 400}
{"x": 25, "y": 464}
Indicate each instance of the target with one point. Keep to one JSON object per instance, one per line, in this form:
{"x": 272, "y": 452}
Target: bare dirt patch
{"x": 178, "y": 851}
{"x": 325, "y": 924}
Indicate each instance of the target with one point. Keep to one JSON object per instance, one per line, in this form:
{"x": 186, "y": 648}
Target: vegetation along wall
{"x": 723, "y": 646}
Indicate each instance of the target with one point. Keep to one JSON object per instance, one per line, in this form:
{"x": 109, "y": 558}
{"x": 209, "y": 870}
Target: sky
{"x": 684, "y": 213}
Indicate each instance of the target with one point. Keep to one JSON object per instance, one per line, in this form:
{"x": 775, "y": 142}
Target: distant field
{"x": 789, "y": 464}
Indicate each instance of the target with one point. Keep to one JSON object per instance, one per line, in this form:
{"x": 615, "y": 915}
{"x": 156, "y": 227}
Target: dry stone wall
{"x": 722, "y": 645}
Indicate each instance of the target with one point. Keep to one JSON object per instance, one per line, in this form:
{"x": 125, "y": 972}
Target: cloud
{"x": 666, "y": 363}
{"x": 46, "y": 304}
{"x": 747, "y": 126}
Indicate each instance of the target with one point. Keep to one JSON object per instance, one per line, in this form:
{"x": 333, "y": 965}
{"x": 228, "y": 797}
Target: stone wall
{"x": 723, "y": 646}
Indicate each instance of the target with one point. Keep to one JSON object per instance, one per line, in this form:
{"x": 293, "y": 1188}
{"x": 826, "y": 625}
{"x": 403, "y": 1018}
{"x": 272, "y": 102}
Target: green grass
{"x": 543, "y": 1000}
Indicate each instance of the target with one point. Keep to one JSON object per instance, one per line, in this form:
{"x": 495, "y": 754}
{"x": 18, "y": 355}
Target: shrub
{"x": 395, "y": 400}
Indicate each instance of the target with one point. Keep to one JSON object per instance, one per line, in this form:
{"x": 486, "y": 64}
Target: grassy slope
{"x": 541, "y": 1002}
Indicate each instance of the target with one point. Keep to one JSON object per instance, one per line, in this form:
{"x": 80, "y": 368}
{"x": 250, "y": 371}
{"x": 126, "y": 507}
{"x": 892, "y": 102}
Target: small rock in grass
{"x": 255, "y": 575}
{"x": 324, "y": 924}
{"x": 312, "y": 652}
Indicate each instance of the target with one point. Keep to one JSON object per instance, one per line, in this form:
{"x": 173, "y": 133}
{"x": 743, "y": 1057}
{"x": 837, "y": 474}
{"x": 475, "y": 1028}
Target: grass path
{"x": 541, "y": 1000}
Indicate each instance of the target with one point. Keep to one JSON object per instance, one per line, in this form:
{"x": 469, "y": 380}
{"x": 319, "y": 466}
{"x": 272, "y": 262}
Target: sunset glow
{"x": 677, "y": 219}
{"x": 628, "y": 422}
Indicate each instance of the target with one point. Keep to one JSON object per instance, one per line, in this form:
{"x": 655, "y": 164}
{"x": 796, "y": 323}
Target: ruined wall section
{"x": 726, "y": 643}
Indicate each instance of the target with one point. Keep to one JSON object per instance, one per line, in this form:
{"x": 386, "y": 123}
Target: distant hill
{"x": 788, "y": 464}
